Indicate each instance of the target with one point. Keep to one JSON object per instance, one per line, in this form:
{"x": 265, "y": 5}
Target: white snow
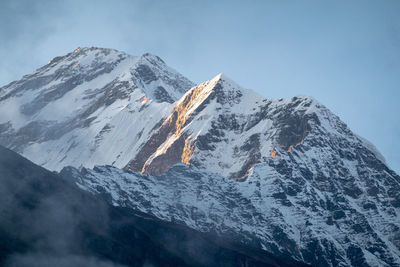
{"x": 125, "y": 130}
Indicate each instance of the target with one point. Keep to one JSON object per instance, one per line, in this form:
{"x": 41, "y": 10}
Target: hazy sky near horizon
{"x": 346, "y": 54}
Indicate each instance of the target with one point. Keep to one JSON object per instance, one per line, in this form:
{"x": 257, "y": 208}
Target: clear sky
{"x": 346, "y": 54}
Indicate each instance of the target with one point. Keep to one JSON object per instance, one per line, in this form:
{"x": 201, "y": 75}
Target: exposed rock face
{"x": 227, "y": 129}
{"x": 166, "y": 147}
{"x": 87, "y": 107}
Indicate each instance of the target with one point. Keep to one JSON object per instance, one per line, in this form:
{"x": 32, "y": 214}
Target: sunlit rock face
{"x": 226, "y": 129}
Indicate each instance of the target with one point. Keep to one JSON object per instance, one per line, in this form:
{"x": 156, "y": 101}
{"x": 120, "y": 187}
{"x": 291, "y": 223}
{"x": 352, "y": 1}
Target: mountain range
{"x": 282, "y": 178}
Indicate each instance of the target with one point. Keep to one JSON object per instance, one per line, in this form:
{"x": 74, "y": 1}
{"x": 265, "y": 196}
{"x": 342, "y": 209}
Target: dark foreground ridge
{"x": 48, "y": 221}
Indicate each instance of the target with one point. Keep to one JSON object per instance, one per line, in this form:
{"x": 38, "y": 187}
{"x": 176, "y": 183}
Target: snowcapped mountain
{"x": 92, "y": 106}
{"x": 311, "y": 189}
{"x": 285, "y": 176}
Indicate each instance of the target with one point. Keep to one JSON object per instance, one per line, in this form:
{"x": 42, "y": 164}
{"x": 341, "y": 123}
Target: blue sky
{"x": 346, "y": 54}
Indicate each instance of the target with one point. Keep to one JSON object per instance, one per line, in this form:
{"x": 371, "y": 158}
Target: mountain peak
{"x": 223, "y": 78}
{"x": 91, "y": 52}
{"x": 80, "y": 99}
{"x": 152, "y": 57}
{"x": 220, "y": 126}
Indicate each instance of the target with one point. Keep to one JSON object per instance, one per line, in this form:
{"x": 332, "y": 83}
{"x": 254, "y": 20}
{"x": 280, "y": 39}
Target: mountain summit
{"x": 227, "y": 129}
{"x": 285, "y": 176}
{"x": 75, "y": 110}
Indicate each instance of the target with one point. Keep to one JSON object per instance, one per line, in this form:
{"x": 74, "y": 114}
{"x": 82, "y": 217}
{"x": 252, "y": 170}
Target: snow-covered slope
{"x": 91, "y": 106}
{"x": 282, "y": 208}
{"x": 60, "y": 225}
{"x": 311, "y": 189}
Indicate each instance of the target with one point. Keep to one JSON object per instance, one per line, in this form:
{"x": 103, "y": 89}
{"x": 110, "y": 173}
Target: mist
{"x": 45, "y": 221}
